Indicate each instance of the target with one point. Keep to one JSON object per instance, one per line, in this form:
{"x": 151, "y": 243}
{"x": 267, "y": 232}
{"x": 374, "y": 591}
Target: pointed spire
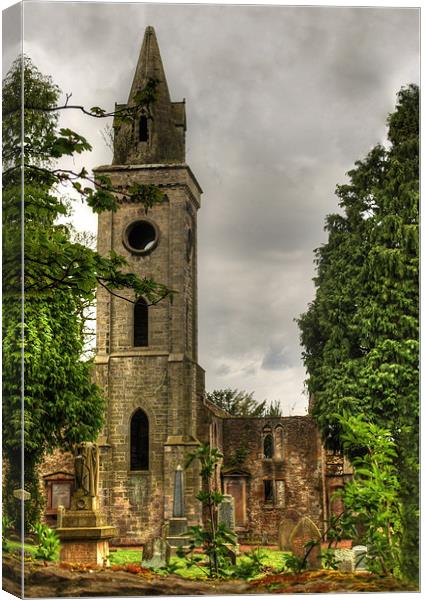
{"x": 157, "y": 134}
{"x": 149, "y": 66}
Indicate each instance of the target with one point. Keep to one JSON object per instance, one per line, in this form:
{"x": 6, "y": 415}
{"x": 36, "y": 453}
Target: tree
{"x": 360, "y": 333}
{"x": 242, "y": 404}
{"x": 49, "y": 400}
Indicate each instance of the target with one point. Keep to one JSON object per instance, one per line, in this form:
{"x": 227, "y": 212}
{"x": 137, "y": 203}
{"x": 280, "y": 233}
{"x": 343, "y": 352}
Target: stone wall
{"x": 295, "y": 471}
{"x": 163, "y": 378}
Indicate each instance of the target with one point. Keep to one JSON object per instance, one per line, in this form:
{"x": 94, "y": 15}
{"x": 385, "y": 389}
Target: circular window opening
{"x": 141, "y": 237}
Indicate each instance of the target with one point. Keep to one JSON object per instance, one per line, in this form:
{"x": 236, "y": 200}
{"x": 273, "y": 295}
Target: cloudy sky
{"x": 280, "y": 103}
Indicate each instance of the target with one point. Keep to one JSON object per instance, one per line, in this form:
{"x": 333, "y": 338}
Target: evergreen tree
{"x": 360, "y": 334}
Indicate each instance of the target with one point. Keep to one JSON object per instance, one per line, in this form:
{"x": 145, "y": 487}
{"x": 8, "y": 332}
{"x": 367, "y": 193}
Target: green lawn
{"x": 17, "y": 546}
{"x": 271, "y": 558}
{"x": 125, "y": 556}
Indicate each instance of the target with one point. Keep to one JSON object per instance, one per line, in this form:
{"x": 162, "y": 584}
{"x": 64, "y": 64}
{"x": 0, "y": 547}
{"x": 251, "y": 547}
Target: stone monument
{"x": 154, "y": 553}
{"x": 290, "y": 519}
{"x": 178, "y": 524}
{"x": 82, "y": 529}
{"x": 360, "y": 557}
{"x": 304, "y": 532}
{"x": 226, "y": 512}
{"x": 226, "y": 515}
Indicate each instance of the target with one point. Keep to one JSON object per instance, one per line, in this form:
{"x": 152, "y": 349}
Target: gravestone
{"x": 178, "y": 524}
{"x": 226, "y": 515}
{"x": 226, "y": 512}
{"x": 304, "y": 532}
{"x": 154, "y": 553}
{"x": 178, "y": 497}
{"x": 345, "y": 559}
{"x": 360, "y": 554}
{"x": 288, "y": 523}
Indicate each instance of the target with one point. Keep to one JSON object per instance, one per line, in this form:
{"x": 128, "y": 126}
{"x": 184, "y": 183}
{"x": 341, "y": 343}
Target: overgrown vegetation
{"x": 371, "y": 499}
{"x": 214, "y": 538}
{"x": 48, "y": 542}
{"x": 360, "y": 333}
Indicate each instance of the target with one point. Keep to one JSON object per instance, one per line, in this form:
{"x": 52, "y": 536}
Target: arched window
{"x": 140, "y": 323}
{"x": 139, "y": 442}
{"x": 143, "y": 129}
{"x": 279, "y": 442}
{"x": 268, "y": 446}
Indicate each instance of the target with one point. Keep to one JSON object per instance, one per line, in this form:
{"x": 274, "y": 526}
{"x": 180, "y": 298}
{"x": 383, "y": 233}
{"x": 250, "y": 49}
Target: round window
{"x": 141, "y": 237}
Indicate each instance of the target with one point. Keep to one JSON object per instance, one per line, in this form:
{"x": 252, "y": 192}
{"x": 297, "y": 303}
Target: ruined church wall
{"x": 296, "y": 473}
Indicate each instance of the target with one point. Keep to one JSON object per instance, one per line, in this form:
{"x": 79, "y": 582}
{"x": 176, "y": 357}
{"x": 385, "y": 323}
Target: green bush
{"x": 48, "y": 542}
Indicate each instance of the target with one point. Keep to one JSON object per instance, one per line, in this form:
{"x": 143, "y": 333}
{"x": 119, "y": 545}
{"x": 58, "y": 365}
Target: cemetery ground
{"x": 126, "y": 577}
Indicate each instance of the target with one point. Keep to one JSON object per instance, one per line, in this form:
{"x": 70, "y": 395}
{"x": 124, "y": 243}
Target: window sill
{"x": 139, "y": 472}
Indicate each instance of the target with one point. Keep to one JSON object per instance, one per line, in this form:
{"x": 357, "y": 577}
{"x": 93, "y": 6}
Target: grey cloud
{"x": 275, "y": 357}
{"x": 223, "y": 370}
{"x": 281, "y": 101}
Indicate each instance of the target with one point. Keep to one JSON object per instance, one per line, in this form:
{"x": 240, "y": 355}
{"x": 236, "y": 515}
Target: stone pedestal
{"x": 175, "y": 539}
{"x": 84, "y": 533}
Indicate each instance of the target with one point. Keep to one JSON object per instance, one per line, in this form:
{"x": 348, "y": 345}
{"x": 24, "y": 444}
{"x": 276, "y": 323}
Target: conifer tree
{"x": 360, "y": 333}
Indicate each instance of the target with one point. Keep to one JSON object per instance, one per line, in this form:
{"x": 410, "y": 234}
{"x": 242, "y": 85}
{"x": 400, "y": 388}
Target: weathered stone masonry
{"x": 156, "y": 412}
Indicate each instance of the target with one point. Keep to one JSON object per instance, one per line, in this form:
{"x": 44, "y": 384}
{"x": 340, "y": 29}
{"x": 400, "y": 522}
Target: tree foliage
{"x": 360, "y": 333}
{"x": 215, "y": 538}
{"x": 49, "y": 400}
{"x": 239, "y": 403}
{"x": 372, "y": 501}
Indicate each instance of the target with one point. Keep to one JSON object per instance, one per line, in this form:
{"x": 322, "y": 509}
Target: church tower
{"x": 146, "y": 359}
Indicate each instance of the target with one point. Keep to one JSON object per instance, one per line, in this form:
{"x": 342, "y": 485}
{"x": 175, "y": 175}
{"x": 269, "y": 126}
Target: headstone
{"x": 177, "y": 525}
{"x": 304, "y": 532}
{"x": 154, "y": 553}
{"x": 178, "y": 496}
{"x": 345, "y": 559}
{"x": 226, "y": 515}
{"x": 360, "y": 555}
{"x": 232, "y": 552}
{"x": 288, "y": 523}
{"x": 226, "y": 512}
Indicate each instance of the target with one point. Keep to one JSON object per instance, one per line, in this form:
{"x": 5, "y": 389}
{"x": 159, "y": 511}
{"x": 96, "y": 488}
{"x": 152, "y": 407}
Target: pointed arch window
{"x": 267, "y": 441}
{"x": 139, "y": 441}
{"x": 268, "y": 446}
{"x": 143, "y": 128}
{"x": 279, "y": 442}
{"x": 140, "y": 323}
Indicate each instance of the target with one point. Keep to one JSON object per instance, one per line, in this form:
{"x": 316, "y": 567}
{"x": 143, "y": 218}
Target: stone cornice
{"x": 177, "y": 166}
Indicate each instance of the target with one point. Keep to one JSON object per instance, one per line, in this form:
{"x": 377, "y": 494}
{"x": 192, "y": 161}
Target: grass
{"x": 17, "y": 546}
{"x": 271, "y": 558}
{"x": 123, "y": 556}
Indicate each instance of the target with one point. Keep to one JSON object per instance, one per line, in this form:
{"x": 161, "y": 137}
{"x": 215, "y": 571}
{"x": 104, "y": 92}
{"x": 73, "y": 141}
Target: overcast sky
{"x": 280, "y": 103}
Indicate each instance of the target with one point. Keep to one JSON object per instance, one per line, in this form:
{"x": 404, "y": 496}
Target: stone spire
{"x": 149, "y": 66}
{"x": 157, "y": 134}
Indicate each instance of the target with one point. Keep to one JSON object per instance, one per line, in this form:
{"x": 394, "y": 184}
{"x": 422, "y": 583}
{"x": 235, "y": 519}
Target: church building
{"x": 147, "y": 359}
